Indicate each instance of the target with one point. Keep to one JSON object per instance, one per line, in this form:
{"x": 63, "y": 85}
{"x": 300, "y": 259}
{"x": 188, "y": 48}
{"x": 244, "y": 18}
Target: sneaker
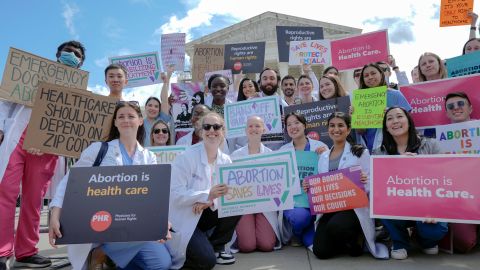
{"x": 4, "y": 261}
{"x": 34, "y": 261}
{"x": 399, "y": 254}
{"x": 431, "y": 251}
{"x": 224, "y": 258}
{"x": 295, "y": 242}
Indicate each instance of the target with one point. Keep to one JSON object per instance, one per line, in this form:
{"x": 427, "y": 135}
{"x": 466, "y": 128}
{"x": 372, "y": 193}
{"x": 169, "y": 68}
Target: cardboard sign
{"x": 255, "y": 187}
{"x": 207, "y": 58}
{"x": 65, "y": 121}
{"x": 316, "y": 113}
{"x": 442, "y": 187}
{"x": 459, "y": 138}
{"x": 336, "y": 191}
{"x": 246, "y": 57}
{"x": 369, "y": 106}
{"x": 307, "y": 162}
{"x": 118, "y": 204}
{"x": 357, "y": 51}
{"x": 173, "y": 51}
{"x": 428, "y": 99}
{"x": 286, "y": 34}
{"x": 24, "y": 72}
{"x": 167, "y": 154}
{"x": 463, "y": 65}
{"x": 186, "y": 96}
{"x": 232, "y": 92}
{"x": 454, "y": 12}
{"x": 268, "y": 108}
{"x": 312, "y": 52}
{"x": 143, "y": 69}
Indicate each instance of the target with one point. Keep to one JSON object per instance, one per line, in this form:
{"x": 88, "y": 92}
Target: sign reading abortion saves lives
{"x": 443, "y": 187}
{"x": 119, "y": 204}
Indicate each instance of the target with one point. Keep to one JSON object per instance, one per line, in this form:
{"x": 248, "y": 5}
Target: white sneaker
{"x": 431, "y": 251}
{"x": 399, "y": 254}
{"x": 224, "y": 258}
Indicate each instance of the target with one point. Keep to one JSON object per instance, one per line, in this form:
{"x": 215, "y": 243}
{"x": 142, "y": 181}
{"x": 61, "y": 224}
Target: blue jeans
{"x": 139, "y": 255}
{"x": 428, "y": 234}
{"x": 302, "y": 224}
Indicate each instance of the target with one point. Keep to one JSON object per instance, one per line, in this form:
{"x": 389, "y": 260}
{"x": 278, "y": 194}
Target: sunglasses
{"x": 158, "y": 130}
{"x": 131, "y": 103}
{"x": 207, "y": 127}
{"x": 459, "y": 103}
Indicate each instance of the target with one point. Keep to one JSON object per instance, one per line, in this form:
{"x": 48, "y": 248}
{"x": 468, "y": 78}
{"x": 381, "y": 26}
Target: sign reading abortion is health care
{"x": 24, "y": 71}
{"x": 287, "y": 34}
{"x": 442, "y": 187}
{"x": 143, "y": 69}
{"x": 255, "y": 187}
{"x": 459, "y": 138}
{"x": 119, "y": 204}
{"x": 245, "y": 57}
{"x": 167, "y": 154}
{"x": 369, "y": 106}
{"x": 463, "y": 65}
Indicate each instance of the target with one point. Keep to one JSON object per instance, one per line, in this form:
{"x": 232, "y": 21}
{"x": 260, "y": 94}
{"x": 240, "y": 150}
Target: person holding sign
{"x": 340, "y": 231}
{"x": 431, "y": 67}
{"x": 160, "y": 134}
{"x": 193, "y": 205}
{"x": 300, "y": 218}
{"x": 331, "y": 87}
{"x": 401, "y": 138}
{"x": 32, "y": 170}
{"x": 257, "y": 231}
{"x": 124, "y": 148}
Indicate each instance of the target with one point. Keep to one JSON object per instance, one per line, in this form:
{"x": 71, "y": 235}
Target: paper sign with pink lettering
{"x": 459, "y": 138}
{"x": 442, "y": 187}
{"x": 313, "y": 52}
{"x": 428, "y": 99}
{"x": 173, "y": 51}
{"x": 354, "y": 52}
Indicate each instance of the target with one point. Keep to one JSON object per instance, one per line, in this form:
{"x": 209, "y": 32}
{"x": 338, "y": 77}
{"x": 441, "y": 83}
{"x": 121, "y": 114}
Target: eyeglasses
{"x": 158, "y": 130}
{"x": 131, "y": 103}
{"x": 459, "y": 103}
{"x": 207, "y": 127}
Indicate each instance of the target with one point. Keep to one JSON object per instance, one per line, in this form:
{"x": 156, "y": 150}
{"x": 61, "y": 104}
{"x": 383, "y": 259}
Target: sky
{"x": 112, "y": 28}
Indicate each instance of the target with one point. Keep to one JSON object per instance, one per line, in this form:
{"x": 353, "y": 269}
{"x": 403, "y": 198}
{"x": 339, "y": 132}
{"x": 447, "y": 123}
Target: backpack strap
{"x": 101, "y": 154}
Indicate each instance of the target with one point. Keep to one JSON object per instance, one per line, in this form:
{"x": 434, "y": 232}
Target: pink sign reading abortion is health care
{"x": 354, "y": 52}
{"x": 442, "y": 187}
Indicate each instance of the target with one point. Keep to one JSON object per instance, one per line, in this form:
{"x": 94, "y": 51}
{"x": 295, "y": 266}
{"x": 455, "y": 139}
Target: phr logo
{"x": 101, "y": 221}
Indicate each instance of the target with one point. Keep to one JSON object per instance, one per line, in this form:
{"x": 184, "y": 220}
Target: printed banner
{"x": 143, "y": 69}
{"x": 454, "y": 12}
{"x": 307, "y": 162}
{"x": 167, "y": 154}
{"x": 245, "y": 57}
{"x": 65, "y": 121}
{"x": 428, "y": 99}
{"x": 24, "y": 71}
{"x": 286, "y": 34}
{"x": 316, "y": 113}
{"x": 442, "y": 187}
{"x": 357, "y": 51}
{"x": 463, "y": 65}
{"x": 118, "y": 204}
{"x": 268, "y": 108}
{"x": 232, "y": 92}
{"x": 207, "y": 58}
{"x": 312, "y": 52}
{"x": 369, "y": 106}
{"x": 459, "y": 138}
{"x": 255, "y": 187}
{"x": 186, "y": 96}
{"x": 336, "y": 191}
{"x": 173, "y": 51}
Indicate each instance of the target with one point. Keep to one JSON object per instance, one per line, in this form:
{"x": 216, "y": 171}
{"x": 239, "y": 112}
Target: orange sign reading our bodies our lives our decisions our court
{"x": 454, "y": 12}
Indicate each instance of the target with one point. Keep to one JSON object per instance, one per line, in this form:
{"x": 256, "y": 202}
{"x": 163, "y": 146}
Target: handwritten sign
{"x": 24, "y": 72}
{"x": 307, "y": 162}
{"x": 459, "y": 138}
{"x": 246, "y": 57}
{"x": 65, "y": 121}
{"x": 443, "y": 187}
{"x": 255, "y": 187}
{"x": 142, "y": 69}
{"x": 167, "y": 154}
{"x": 313, "y": 52}
{"x": 454, "y": 12}
{"x": 268, "y": 108}
{"x": 173, "y": 50}
{"x": 207, "y": 58}
{"x": 286, "y": 34}
{"x": 336, "y": 191}
{"x": 185, "y": 96}
{"x": 369, "y": 106}
{"x": 463, "y": 65}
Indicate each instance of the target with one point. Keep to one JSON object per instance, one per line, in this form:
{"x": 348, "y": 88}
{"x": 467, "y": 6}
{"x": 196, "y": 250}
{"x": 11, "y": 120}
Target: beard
{"x": 269, "y": 89}
{"x": 288, "y": 92}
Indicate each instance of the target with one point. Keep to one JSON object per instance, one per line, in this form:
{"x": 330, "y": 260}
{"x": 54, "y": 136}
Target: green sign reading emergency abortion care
{"x": 368, "y": 107}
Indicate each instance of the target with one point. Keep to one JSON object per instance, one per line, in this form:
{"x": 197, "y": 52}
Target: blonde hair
{"x": 442, "y": 71}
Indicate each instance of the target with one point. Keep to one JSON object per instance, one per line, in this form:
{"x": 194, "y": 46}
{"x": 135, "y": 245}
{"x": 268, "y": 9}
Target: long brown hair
{"x": 114, "y": 133}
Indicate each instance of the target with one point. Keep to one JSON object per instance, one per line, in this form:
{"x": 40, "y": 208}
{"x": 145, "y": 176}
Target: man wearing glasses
{"x": 458, "y": 107}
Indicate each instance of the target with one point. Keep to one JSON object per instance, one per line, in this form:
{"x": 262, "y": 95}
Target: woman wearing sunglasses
{"x": 160, "y": 134}
{"x": 193, "y": 202}
{"x": 124, "y": 148}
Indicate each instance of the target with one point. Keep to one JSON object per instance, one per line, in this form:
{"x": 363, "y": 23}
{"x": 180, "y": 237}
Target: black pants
{"x": 201, "y": 248}
{"x": 337, "y": 233}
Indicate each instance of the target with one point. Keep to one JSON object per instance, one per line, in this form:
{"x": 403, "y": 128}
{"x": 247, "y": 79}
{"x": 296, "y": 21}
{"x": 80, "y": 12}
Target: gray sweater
{"x": 427, "y": 147}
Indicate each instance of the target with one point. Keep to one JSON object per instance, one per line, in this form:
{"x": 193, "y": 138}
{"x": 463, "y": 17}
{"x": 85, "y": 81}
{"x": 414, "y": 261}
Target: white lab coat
{"x": 187, "y": 140}
{"x": 191, "y": 183}
{"x": 314, "y": 144}
{"x": 77, "y": 254}
{"x": 347, "y": 160}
